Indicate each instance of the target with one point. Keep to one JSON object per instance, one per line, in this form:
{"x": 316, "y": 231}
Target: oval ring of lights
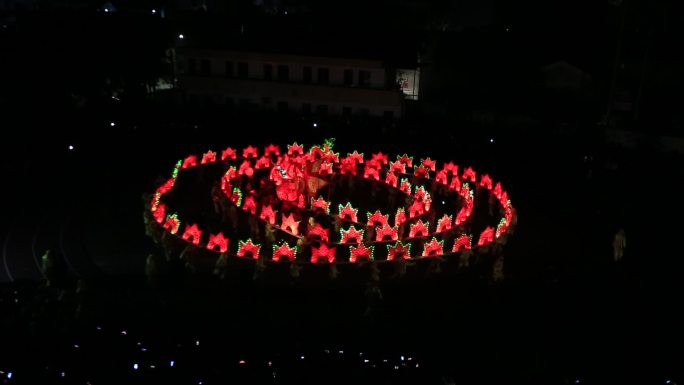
{"x": 297, "y": 181}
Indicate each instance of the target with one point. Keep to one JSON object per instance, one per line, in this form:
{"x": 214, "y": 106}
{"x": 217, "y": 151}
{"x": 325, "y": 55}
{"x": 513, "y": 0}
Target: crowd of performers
{"x": 308, "y": 233}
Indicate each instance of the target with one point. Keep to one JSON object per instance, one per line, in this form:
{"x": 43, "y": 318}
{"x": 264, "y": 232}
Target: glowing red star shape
{"x": 405, "y": 186}
{"x": 250, "y": 152}
{"x": 267, "y": 214}
{"x": 360, "y": 251}
{"x": 469, "y": 174}
{"x": 219, "y": 241}
{"x": 272, "y": 149}
{"x": 320, "y": 232}
{"x": 289, "y": 224}
{"x": 208, "y": 157}
{"x": 487, "y": 236}
{"x": 250, "y": 248}
{"x": 486, "y": 181}
{"x": 322, "y": 251}
{"x": 347, "y": 212}
{"x": 391, "y": 179}
{"x": 429, "y": 164}
{"x": 229, "y": 154}
{"x": 249, "y": 205}
{"x": 398, "y": 250}
{"x": 444, "y": 223}
{"x": 351, "y": 236}
{"x": 462, "y": 243}
{"x": 380, "y": 157}
{"x": 405, "y": 159}
{"x": 462, "y": 216}
{"x": 433, "y": 248}
{"x": 294, "y": 148}
{"x": 397, "y": 167}
{"x": 420, "y": 194}
{"x": 320, "y": 204}
{"x": 262, "y": 163}
{"x": 190, "y": 161}
{"x": 192, "y": 232}
{"x": 419, "y": 229}
{"x": 284, "y": 250}
{"x": 377, "y": 219}
{"x": 315, "y": 153}
{"x": 166, "y": 186}
{"x": 231, "y": 173}
{"x": 387, "y": 233}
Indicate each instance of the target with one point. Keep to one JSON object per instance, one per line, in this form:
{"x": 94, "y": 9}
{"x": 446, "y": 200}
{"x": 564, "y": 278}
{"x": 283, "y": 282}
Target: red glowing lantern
{"x": 469, "y": 174}
{"x": 398, "y": 251}
{"x": 380, "y": 157}
{"x": 262, "y": 163}
{"x": 294, "y": 148}
{"x": 444, "y": 223}
{"x": 267, "y": 214}
{"x": 322, "y": 252}
{"x": 208, "y": 157}
{"x": 190, "y": 161}
{"x": 433, "y": 248}
{"x": 463, "y": 242}
{"x": 487, "y": 236}
{"x": 284, "y": 251}
{"x": 351, "y": 236}
{"x": 192, "y": 234}
{"x": 419, "y": 229}
{"x": 405, "y": 159}
{"x": 250, "y": 205}
{"x": 248, "y": 249}
{"x": 442, "y": 177}
{"x": 429, "y": 164}
{"x": 249, "y": 152}
{"x": 217, "y": 241}
{"x": 347, "y": 212}
{"x": 371, "y": 173}
{"x": 397, "y": 168}
{"x": 421, "y": 172}
{"x": 320, "y": 204}
{"x": 387, "y": 233}
{"x": 318, "y": 232}
{"x": 272, "y": 149}
{"x": 391, "y": 179}
{"x": 377, "y": 219}
{"x": 289, "y": 224}
{"x": 360, "y": 251}
{"x": 400, "y": 216}
{"x": 246, "y": 168}
{"x": 486, "y": 181}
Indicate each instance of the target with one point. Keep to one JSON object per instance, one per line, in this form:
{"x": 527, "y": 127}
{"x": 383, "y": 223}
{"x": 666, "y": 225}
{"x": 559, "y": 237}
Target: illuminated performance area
{"x": 310, "y": 206}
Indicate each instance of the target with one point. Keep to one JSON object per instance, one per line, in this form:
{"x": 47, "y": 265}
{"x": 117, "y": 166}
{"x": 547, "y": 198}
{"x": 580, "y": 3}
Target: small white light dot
{"x": 9, "y": 375}
{"x": 106, "y": 9}
{"x": 71, "y": 147}
{"x": 62, "y": 374}
{"x": 172, "y": 363}
{"x": 301, "y": 358}
{"x": 135, "y": 366}
{"x": 123, "y": 333}
{"x": 112, "y": 124}
{"x": 491, "y": 140}
{"x": 241, "y": 362}
{"x": 402, "y": 357}
{"x": 196, "y": 342}
{"x": 181, "y": 36}
{"x": 315, "y": 124}
{"x": 366, "y": 360}
{"x": 396, "y": 367}
{"x": 154, "y": 11}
